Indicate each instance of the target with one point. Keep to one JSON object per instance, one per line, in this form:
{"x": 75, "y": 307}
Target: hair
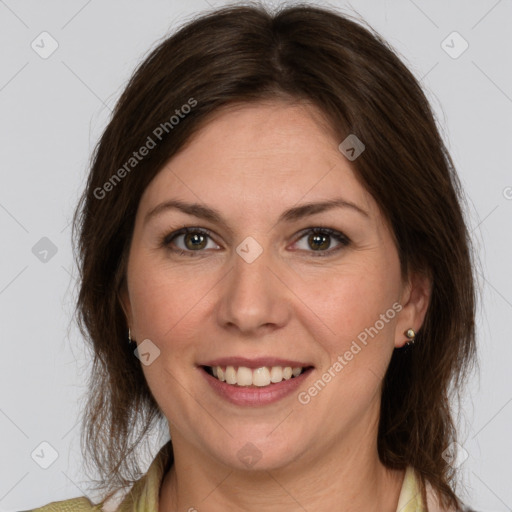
{"x": 320, "y": 57}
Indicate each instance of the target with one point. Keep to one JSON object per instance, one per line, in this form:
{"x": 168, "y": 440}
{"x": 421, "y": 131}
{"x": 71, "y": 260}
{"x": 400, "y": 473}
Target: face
{"x": 251, "y": 287}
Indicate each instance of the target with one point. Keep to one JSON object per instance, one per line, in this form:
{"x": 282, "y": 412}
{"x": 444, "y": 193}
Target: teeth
{"x": 261, "y": 377}
{"x": 297, "y": 371}
{"x": 276, "y": 374}
{"x": 231, "y": 375}
{"x": 243, "y": 377}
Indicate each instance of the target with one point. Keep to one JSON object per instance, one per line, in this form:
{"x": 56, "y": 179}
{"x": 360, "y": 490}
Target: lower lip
{"x": 252, "y": 395}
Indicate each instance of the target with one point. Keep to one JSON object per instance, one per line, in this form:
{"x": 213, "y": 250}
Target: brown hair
{"x": 300, "y": 53}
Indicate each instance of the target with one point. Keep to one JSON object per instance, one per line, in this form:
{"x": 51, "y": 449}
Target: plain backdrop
{"x": 54, "y": 107}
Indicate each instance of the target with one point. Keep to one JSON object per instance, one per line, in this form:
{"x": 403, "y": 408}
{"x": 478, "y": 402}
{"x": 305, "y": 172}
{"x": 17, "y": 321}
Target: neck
{"x": 351, "y": 471}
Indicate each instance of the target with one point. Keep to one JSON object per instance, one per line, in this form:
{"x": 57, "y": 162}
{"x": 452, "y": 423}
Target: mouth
{"x": 255, "y": 382}
{"x": 262, "y": 377}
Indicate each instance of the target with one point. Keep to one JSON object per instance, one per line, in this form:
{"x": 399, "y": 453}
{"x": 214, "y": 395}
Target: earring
{"x": 129, "y": 336}
{"x": 411, "y": 334}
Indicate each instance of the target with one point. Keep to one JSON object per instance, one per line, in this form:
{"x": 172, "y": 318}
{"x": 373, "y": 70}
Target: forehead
{"x": 260, "y": 157}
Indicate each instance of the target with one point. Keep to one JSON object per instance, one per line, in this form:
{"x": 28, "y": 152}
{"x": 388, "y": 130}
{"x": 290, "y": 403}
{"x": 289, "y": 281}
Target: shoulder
{"x": 433, "y": 502}
{"x": 411, "y": 500}
{"x": 142, "y": 496}
{"x": 72, "y": 505}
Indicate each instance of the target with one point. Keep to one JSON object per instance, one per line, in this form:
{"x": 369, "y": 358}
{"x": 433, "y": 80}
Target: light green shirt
{"x": 144, "y": 495}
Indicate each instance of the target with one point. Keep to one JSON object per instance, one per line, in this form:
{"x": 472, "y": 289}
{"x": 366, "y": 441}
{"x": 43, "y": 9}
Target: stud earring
{"x": 411, "y": 334}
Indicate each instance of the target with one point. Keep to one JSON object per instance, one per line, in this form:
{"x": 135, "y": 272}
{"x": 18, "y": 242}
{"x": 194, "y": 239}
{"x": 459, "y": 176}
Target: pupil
{"x": 316, "y": 238}
{"x": 195, "y": 238}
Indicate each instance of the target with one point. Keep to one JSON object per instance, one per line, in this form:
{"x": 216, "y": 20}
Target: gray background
{"x": 52, "y": 112}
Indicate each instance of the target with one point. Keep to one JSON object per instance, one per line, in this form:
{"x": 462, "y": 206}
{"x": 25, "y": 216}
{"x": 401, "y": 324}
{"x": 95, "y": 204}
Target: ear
{"x": 124, "y": 300}
{"x": 415, "y": 298}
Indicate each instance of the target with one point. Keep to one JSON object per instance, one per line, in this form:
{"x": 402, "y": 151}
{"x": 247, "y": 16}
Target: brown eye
{"x": 319, "y": 240}
{"x": 187, "y": 241}
{"x": 194, "y": 241}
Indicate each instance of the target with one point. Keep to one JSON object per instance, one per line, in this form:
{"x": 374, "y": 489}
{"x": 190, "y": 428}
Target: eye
{"x": 192, "y": 240}
{"x": 320, "y": 240}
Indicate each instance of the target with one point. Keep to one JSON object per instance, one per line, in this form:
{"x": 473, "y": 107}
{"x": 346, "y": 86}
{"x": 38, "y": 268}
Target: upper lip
{"x": 257, "y": 362}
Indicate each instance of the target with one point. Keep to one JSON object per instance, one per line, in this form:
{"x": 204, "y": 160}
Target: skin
{"x": 251, "y": 163}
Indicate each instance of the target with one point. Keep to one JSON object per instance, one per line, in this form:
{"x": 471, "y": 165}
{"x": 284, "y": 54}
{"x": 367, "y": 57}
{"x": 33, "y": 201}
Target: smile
{"x": 258, "y": 386}
{"x": 260, "y": 377}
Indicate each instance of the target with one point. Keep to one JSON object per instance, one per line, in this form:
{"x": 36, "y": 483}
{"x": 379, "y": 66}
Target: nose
{"x": 254, "y": 298}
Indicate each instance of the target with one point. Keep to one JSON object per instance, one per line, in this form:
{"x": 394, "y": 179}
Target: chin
{"x": 259, "y": 451}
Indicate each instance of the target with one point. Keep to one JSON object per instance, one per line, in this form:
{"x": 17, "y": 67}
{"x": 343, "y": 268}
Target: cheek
{"x": 165, "y": 297}
{"x": 166, "y": 301}
{"x": 355, "y": 304}
{"x": 357, "y": 307}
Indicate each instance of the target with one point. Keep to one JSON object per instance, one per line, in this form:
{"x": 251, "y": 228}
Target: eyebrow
{"x": 290, "y": 215}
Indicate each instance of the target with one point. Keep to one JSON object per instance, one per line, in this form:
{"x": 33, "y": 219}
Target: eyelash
{"x": 337, "y": 235}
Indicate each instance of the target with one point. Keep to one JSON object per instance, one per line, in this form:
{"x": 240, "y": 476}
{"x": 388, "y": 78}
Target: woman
{"x": 275, "y": 263}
